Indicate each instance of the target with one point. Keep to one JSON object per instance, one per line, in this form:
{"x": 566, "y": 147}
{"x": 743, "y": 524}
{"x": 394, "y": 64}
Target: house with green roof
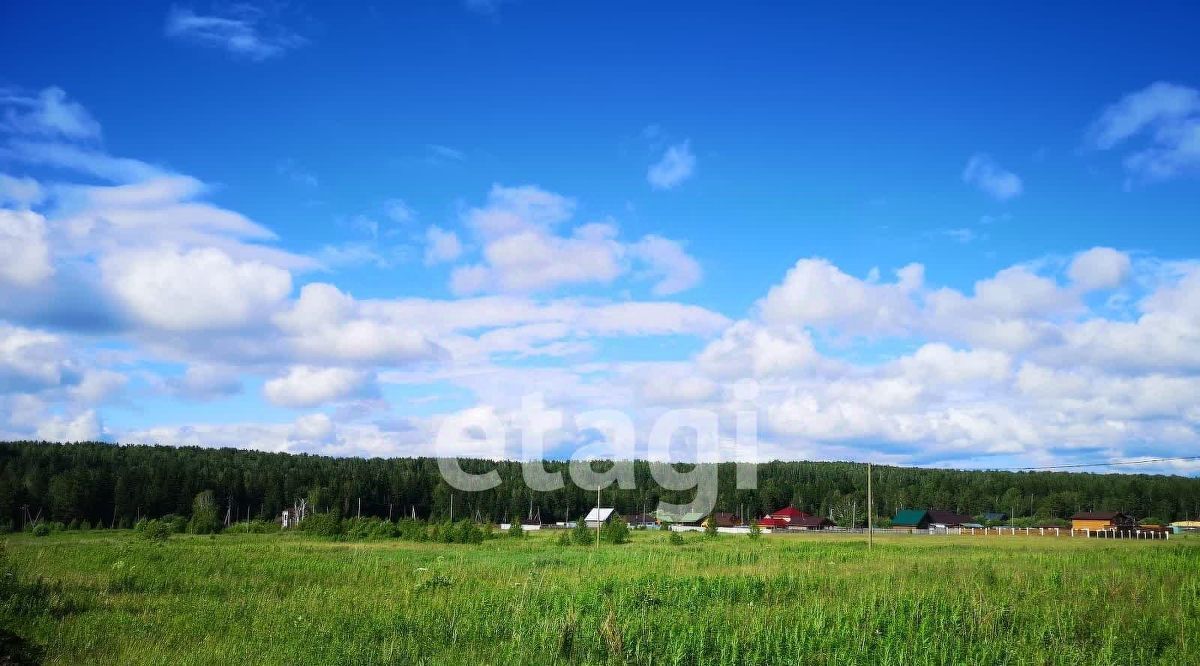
{"x": 914, "y": 518}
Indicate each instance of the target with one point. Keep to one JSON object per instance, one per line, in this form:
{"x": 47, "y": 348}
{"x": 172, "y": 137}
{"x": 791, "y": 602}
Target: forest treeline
{"x": 116, "y": 485}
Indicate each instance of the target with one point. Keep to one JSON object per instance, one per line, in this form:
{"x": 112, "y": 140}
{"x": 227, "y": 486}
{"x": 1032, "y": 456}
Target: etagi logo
{"x": 617, "y": 442}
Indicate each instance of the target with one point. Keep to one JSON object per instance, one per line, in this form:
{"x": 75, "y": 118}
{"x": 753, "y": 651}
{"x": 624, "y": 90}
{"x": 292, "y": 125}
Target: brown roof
{"x": 1098, "y": 515}
{"x": 811, "y": 522}
{"x": 949, "y": 518}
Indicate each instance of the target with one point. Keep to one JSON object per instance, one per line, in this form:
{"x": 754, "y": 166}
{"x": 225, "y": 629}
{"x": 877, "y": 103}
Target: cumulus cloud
{"x": 85, "y": 427}
{"x": 992, "y": 179}
{"x": 676, "y": 166}
{"x": 1100, "y": 268}
{"x": 523, "y": 250}
{"x": 1168, "y": 115}
{"x": 305, "y": 386}
{"x": 441, "y": 246}
{"x": 244, "y": 31}
{"x": 817, "y": 293}
{"x": 24, "y": 250}
{"x": 195, "y": 290}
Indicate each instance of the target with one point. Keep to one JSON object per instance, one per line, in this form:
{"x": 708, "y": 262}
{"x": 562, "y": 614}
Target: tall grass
{"x": 286, "y": 599}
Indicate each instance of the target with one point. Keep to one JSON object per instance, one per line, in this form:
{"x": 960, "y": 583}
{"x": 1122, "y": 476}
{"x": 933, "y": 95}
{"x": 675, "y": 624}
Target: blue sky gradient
{"x": 718, "y": 152}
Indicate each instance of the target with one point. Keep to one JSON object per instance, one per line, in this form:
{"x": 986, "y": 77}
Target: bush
{"x": 755, "y": 530}
{"x": 178, "y": 524}
{"x": 74, "y": 524}
{"x": 616, "y": 531}
{"x": 564, "y": 538}
{"x": 467, "y": 532}
{"x": 253, "y": 527}
{"x": 41, "y": 530}
{"x": 326, "y": 525}
{"x": 1152, "y": 521}
{"x": 156, "y": 531}
{"x": 580, "y": 533}
{"x": 710, "y": 527}
{"x": 675, "y": 538}
{"x": 204, "y": 514}
{"x": 515, "y": 531}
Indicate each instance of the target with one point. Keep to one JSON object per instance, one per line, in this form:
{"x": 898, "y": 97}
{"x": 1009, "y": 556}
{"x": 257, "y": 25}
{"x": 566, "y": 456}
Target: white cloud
{"x": 1099, "y": 268}
{"x": 666, "y": 259}
{"x": 85, "y": 427}
{"x": 32, "y": 360}
{"x": 306, "y": 386}
{"x": 399, "y": 211}
{"x": 523, "y": 251}
{"x": 20, "y": 192}
{"x": 50, "y": 113}
{"x": 441, "y": 246}
{"x": 24, "y": 250}
{"x": 244, "y": 31}
{"x": 205, "y": 381}
{"x": 992, "y": 179}
{"x": 817, "y": 293}
{"x": 676, "y": 165}
{"x": 195, "y": 290}
{"x": 1169, "y": 115}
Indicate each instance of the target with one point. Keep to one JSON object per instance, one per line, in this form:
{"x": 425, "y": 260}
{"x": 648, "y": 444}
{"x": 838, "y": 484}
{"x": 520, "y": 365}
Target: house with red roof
{"x": 788, "y": 515}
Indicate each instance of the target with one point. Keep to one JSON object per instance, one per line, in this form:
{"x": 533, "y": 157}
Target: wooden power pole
{"x": 870, "y": 510}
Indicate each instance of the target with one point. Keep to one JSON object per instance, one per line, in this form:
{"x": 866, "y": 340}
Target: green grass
{"x": 108, "y": 597}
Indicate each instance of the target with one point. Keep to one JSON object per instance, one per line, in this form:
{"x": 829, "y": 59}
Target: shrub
{"x": 156, "y": 531}
{"x": 1152, "y": 521}
{"x": 564, "y": 538}
{"x": 467, "y": 532}
{"x": 755, "y": 530}
{"x": 74, "y": 524}
{"x": 710, "y": 528}
{"x": 515, "y": 531}
{"x": 178, "y": 524}
{"x": 616, "y": 531}
{"x": 674, "y": 538}
{"x": 253, "y": 527}
{"x": 41, "y": 530}
{"x": 204, "y": 514}
{"x": 326, "y": 525}
{"x": 580, "y": 533}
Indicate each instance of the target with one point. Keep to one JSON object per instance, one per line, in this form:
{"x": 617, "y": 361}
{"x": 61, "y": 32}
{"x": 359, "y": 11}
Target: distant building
{"x": 723, "y": 519}
{"x": 641, "y": 520}
{"x": 1185, "y": 526}
{"x": 942, "y": 519}
{"x": 788, "y": 514}
{"x": 597, "y": 516}
{"x": 690, "y": 518}
{"x": 915, "y": 518}
{"x": 1102, "y": 520}
{"x": 922, "y": 519}
{"x": 810, "y": 523}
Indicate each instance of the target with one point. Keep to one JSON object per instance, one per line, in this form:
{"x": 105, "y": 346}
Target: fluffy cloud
{"x": 305, "y": 386}
{"x": 1099, "y": 268}
{"x": 676, "y": 166}
{"x": 85, "y": 427}
{"x": 817, "y": 293}
{"x": 1168, "y": 114}
{"x": 991, "y": 178}
{"x": 24, "y": 251}
{"x": 194, "y": 290}
{"x": 243, "y": 31}
{"x": 523, "y": 251}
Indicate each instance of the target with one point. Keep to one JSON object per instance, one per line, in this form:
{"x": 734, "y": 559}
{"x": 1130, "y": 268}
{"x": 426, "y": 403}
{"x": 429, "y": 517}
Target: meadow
{"x": 111, "y": 597}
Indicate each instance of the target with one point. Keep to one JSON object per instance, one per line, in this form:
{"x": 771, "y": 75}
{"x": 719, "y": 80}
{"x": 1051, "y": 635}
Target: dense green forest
{"x": 115, "y": 485}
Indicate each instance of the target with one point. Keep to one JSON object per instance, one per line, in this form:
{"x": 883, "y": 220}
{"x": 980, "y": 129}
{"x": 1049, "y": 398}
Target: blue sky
{"x": 532, "y": 166}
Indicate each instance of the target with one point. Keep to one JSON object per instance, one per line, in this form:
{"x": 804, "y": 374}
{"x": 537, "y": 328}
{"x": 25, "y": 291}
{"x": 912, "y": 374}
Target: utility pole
{"x": 870, "y": 510}
{"x": 598, "y": 521}
{"x": 360, "y": 507}
{"x": 451, "y": 507}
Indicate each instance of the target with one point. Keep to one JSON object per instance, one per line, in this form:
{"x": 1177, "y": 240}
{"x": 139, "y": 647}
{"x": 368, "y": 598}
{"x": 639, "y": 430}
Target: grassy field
{"x": 109, "y": 597}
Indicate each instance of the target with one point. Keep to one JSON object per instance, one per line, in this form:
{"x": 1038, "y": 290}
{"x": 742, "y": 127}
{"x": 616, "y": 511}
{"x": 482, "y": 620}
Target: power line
{"x": 1144, "y": 461}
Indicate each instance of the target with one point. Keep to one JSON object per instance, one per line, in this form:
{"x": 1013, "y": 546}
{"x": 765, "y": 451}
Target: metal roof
{"x": 604, "y": 515}
{"x": 910, "y": 517}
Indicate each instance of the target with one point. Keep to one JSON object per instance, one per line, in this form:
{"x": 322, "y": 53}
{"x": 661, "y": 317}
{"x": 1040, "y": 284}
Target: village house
{"x": 1096, "y": 521}
{"x": 788, "y": 514}
{"x": 598, "y": 516}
